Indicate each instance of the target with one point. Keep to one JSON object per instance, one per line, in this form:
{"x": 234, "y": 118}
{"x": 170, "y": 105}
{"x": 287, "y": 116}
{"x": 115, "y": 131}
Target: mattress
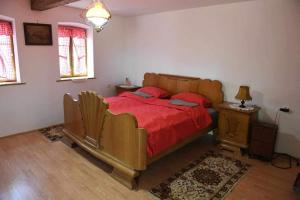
{"x": 166, "y": 124}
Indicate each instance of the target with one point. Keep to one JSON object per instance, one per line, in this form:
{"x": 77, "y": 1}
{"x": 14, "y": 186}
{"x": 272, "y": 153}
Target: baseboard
{"x": 26, "y": 132}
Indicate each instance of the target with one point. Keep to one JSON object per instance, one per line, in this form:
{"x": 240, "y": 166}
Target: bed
{"x": 119, "y": 139}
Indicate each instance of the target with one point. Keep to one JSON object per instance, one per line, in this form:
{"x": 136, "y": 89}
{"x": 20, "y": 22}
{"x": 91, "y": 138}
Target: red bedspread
{"x": 166, "y": 124}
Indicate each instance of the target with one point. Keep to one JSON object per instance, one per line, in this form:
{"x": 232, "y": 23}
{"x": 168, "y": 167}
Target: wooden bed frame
{"x": 116, "y": 138}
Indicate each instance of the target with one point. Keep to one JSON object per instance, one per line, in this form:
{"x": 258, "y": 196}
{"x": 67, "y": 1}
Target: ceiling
{"x": 141, "y": 7}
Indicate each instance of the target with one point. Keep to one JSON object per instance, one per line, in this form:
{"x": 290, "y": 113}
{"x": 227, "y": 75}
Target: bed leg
{"x": 74, "y": 145}
{"x": 129, "y": 179}
{"x": 215, "y": 131}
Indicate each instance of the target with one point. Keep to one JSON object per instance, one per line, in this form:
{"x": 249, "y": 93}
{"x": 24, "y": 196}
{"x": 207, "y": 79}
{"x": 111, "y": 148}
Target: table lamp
{"x": 243, "y": 95}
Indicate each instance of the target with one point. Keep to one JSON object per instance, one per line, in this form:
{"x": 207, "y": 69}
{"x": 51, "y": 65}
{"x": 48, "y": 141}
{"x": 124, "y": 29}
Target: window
{"x": 72, "y": 44}
{"x": 7, "y": 61}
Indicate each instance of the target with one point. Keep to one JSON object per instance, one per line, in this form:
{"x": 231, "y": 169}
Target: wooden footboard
{"x": 115, "y": 139}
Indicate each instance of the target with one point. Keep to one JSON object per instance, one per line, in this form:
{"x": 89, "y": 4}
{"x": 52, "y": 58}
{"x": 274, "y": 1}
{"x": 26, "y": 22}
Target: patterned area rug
{"x": 211, "y": 177}
{"x": 53, "y": 133}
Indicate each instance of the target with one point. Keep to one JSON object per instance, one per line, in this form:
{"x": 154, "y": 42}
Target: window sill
{"x": 75, "y": 79}
{"x": 11, "y": 83}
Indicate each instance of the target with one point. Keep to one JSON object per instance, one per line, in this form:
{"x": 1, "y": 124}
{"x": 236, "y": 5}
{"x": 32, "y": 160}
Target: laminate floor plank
{"x": 33, "y": 168}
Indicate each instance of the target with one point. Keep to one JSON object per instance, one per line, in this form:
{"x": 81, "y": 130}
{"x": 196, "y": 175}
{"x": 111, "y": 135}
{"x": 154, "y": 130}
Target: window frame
{"x": 14, "y": 49}
{"x": 89, "y": 53}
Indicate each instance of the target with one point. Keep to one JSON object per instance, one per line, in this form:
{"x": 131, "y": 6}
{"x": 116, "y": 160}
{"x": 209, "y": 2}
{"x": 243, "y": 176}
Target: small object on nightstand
{"x": 243, "y": 95}
{"x": 234, "y": 126}
{"x": 127, "y": 81}
{"x": 263, "y": 140}
{"x": 126, "y": 88}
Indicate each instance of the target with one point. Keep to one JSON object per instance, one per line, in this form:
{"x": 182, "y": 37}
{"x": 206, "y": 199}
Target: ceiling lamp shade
{"x": 97, "y": 15}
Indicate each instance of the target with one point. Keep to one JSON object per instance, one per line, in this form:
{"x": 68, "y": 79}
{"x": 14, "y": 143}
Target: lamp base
{"x": 242, "y": 104}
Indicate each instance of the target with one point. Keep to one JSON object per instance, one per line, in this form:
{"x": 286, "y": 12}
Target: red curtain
{"x": 70, "y": 31}
{"x": 5, "y": 28}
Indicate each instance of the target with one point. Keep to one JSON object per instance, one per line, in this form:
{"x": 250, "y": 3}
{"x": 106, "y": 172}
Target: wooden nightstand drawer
{"x": 263, "y": 134}
{"x": 233, "y": 126}
{"x": 262, "y": 149}
{"x": 263, "y": 140}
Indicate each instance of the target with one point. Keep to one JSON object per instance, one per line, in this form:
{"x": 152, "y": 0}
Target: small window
{"x": 7, "y": 60}
{"x": 72, "y": 43}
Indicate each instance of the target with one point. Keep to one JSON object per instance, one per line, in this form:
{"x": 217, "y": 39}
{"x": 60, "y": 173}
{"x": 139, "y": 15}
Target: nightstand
{"x": 125, "y": 88}
{"x": 234, "y": 127}
{"x": 263, "y": 139}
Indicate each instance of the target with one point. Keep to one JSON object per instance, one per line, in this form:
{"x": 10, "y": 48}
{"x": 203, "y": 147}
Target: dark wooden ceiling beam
{"x": 47, "y": 4}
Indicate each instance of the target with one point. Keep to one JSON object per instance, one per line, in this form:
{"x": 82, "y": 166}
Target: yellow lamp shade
{"x": 243, "y": 93}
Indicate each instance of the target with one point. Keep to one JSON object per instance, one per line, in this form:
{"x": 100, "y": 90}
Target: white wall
{"x": 256, "y": 43}
{"x": 38, "y": 103}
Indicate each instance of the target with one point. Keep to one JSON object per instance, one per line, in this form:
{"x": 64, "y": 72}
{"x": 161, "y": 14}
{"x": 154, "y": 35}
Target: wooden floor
{"x": 31, "y": 168}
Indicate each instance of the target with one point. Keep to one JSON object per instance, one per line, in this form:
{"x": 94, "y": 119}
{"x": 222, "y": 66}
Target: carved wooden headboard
{"x": 175, "y": 84}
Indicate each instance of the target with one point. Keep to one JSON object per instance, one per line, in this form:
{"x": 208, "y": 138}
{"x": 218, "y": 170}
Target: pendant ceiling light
{"x": 97, "y": 15}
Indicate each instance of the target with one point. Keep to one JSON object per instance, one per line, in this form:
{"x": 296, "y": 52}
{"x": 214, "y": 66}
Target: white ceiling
{"x": 140, "y": 7}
